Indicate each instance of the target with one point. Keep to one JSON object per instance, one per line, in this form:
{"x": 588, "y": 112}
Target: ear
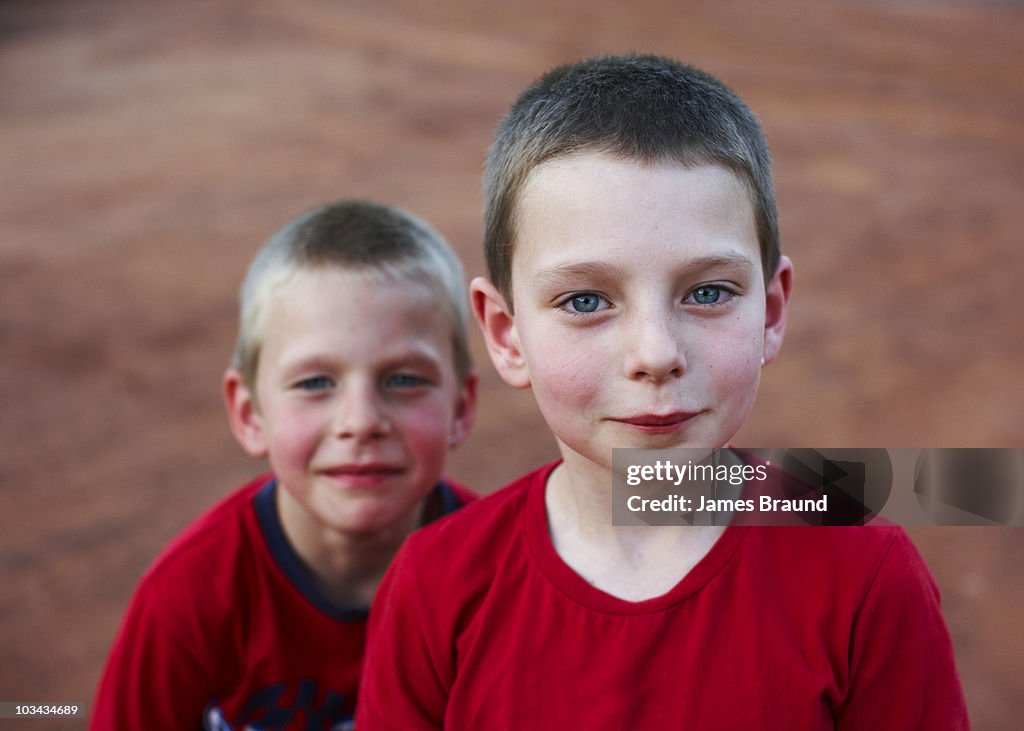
{"x": 465, "y": 412}
{"x": 499, "y": 329}
{"x": 776, "y": 308}
{"x": 243, "y": 414}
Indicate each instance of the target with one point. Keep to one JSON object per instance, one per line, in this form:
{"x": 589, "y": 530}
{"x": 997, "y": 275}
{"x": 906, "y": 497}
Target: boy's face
{"x": 358, "y": 401}
{"x": 641, "y": 314}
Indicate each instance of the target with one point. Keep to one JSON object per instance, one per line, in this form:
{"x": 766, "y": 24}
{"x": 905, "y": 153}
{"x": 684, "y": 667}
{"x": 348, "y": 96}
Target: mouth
{"x": 362, "y": 475}
{"x": 659, "y": 423}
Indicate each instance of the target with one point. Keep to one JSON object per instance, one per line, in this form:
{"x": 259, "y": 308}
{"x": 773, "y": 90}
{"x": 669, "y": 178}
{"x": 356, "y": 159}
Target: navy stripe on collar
{"x": 449, "y": 500}
{"x": 289, "y": 561}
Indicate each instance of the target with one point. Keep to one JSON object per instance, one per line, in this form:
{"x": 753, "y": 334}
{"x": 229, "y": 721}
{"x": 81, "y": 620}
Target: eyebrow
{"x": 724, "y": 261}
{"x": 599, "y": 270}
{"x": 412, "y": 357}
{"x": 589, "y": 270}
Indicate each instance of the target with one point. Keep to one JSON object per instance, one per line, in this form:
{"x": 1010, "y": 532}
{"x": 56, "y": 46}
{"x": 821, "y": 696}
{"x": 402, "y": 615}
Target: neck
{"x": 579, "y": 496}
{"x": 347, "y": 567}
{"x": 630, "y": 562}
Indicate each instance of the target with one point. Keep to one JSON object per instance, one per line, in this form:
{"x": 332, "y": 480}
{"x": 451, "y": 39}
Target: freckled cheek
{"x": 734, "y": 348}
{"x": 735, "y": 383}
{"x": 740, "y": 387}
{"x": 571, "y": 376}
{"x": 729, "y": 357}
{"x": 737, "y": 363}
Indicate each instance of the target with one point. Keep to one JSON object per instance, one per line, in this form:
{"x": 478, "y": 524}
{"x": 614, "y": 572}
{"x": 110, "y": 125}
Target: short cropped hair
{"x": 638, "y": 107}
{"x": 354, "y": 236}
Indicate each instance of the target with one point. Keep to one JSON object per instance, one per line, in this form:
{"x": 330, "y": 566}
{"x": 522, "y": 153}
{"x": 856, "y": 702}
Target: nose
{"x": 653, "y": 347}
{"x": 360, "y": 415}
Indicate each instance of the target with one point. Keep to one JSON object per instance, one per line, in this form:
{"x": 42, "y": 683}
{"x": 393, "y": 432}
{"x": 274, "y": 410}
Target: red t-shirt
{"x": 227, "y": 630}
{"x": 480, "y": 625}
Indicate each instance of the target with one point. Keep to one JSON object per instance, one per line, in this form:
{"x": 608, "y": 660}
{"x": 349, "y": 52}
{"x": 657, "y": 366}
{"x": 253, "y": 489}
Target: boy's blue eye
{"x": 584, "y": 303}
{"x": 316, "y": 383}
{"x": 405, "y": 380}
{"x": 707, "y": 295}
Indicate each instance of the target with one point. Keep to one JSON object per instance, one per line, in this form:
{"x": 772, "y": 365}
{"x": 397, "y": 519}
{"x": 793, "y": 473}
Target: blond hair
{"x": 355, "y": 236}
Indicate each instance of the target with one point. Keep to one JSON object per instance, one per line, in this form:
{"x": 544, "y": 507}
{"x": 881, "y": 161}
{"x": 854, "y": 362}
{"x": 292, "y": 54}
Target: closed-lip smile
{"x": 362, "y": 474}
{"x": 659, "y": 422}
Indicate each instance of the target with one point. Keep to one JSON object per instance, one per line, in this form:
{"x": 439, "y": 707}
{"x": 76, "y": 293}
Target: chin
{"x": 363, "y": 526}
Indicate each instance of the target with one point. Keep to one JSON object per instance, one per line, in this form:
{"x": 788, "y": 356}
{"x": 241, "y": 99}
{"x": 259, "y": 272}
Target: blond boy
{"x": 636, "y": 285}
{"x": 352, "y": 376}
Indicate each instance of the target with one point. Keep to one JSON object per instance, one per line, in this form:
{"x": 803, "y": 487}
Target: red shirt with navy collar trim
{"x": 227, "y": 630}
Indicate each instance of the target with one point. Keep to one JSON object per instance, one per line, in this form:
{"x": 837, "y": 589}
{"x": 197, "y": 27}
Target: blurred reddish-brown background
{"x": 146, "y": 150}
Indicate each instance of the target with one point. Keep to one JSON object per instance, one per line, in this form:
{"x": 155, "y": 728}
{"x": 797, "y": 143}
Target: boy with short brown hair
{"x": 636, "y": 286}
{"x": 352, "y": 375}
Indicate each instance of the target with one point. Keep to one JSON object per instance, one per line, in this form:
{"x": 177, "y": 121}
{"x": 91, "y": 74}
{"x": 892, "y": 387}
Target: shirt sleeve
{"x": 409, "y": 660}
{"x": 902, "y": 670}
{"x": 155, "y": 676}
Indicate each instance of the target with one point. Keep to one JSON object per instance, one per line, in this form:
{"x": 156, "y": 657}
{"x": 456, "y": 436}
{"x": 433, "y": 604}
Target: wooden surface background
{"x": 147, "y": 149}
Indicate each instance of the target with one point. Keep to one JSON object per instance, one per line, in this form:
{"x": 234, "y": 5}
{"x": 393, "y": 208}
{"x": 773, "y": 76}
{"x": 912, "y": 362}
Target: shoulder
{"x": 430, "y": 600}
{"x": 842, "y": 565}
{"x": 479, "y": 517}
{"x": 473, "y": 539}
{"x": 859, "y": 544}
{"x": 194, "y": 589}
{"x": 210, "y": 546}
{"x": 841, "y": 549}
